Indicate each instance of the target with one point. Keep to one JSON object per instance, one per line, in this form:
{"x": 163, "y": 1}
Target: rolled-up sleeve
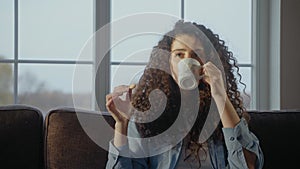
{"x": 117, "y": 161}
{"x": 238, "y": 138}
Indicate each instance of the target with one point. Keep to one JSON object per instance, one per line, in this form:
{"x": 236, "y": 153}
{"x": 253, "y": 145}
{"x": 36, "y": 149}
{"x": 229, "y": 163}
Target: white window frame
{"x": 265, "y": 63}
{"x": 266, "y": 54}
{"x": 16, "y": 60}
{"x": 260, "y": 82}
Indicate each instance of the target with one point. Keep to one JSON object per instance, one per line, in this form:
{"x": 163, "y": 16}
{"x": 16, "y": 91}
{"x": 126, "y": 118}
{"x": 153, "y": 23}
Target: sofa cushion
{"x": 21, "y": 133}
{"x": 68, "y": 146}
{"x": 278, "y": 134}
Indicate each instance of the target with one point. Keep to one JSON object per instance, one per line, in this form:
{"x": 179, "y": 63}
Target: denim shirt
{"x": 236, "y": 139}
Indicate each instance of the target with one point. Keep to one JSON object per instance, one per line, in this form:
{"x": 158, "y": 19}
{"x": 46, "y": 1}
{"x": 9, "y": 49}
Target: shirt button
{"x": 231, "y": 138}
{"x": 239, "y": 137}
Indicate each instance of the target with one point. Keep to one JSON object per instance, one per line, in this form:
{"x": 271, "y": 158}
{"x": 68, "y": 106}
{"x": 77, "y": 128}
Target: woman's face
{"x": 184, "y": 46}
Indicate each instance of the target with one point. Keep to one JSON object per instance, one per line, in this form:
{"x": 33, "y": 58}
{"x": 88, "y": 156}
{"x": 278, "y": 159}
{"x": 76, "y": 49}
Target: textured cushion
{"x": 67, "y": 146}
{"x": 21, "y": 137}
{"x": 278, "y": 134}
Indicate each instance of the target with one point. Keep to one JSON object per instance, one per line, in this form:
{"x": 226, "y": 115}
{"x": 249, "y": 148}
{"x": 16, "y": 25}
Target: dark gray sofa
{"x": 58, "y": 141}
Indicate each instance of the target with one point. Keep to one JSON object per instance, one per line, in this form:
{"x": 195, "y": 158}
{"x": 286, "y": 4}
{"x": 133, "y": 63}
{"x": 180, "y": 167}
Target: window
{"x": 41, "y": 41}
{"x": 230, "y": 19}
{"x": 133, "y": 53}
{"x": 6, "y": 52}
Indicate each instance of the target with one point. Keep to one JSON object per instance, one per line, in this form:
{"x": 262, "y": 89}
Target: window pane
{"x": 6, "y": 84}
{"x": 121, "y": 8}
{"x": 55, "y": 29}
{"x": 48, "y": 86}
{"x": 7, "y": 29}
{"x": 134, "y": 49}
{"x": 247, "y": 79}
{"x": 231, "y": 19}
{"x": 125, "y": 75}
{"x": 124, "y": 47}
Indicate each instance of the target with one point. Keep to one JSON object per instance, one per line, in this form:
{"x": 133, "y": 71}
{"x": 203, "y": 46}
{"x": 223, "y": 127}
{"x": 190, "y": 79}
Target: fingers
{"x": 110, "y": 102}
{"x": 110, "y": 105}
{"x": 118, "y": 91}
{"x": 211, "y": 68}
{"x": 211, "y": 72}
{"x": 206, "y": 72}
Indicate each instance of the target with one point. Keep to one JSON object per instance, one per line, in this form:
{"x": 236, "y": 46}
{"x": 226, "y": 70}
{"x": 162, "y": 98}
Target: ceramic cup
{"x": 188, "y": 73}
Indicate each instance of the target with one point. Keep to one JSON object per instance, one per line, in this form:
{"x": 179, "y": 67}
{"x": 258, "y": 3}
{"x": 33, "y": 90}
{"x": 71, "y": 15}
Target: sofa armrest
{"x": 21, "y": 133}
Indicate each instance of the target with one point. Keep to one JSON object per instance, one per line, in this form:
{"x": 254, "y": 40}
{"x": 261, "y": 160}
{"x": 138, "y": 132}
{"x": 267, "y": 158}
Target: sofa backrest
{"x": 21, "y": 137}
{"x": 70, "y": 147}
{"x": 67, "y": 145}
{"x": 277, "y": 132}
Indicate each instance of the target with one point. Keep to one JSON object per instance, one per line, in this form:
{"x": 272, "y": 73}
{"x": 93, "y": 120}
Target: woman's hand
{"x": 213, "y": 76}
{"x": 228, "y": 114}
{"x": 118, "y": 108}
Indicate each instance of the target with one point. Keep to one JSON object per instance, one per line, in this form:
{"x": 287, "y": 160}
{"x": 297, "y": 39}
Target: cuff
{"x": 115, "y": 156}
{"x": 118, "y": 151}
{"x": 239, "y": 134}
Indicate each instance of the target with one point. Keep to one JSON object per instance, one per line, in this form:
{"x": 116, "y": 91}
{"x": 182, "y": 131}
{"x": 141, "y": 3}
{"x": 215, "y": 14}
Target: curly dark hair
{"x": 157, "y": 79}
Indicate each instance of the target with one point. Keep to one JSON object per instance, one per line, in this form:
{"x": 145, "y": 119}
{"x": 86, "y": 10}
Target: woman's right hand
{"x": 118, "y": 108}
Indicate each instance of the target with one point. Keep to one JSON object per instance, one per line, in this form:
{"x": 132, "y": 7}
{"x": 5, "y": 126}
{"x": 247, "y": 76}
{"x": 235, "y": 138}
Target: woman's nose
{"x": 188, "y": 55}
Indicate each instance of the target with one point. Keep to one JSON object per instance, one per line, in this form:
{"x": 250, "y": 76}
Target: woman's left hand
{"x": 213, "y": 76}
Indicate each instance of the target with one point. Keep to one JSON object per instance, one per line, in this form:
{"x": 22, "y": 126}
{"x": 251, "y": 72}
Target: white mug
{"x": 188, "y": 73}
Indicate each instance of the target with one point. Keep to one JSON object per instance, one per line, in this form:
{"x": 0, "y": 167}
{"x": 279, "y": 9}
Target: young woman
{"x": 230, "y": 145}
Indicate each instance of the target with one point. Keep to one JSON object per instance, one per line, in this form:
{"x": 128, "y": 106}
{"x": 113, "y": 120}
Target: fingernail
{"x": 132, "y": 86}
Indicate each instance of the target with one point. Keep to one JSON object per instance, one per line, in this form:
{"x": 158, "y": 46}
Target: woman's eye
{"x": 179, "y": 55}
